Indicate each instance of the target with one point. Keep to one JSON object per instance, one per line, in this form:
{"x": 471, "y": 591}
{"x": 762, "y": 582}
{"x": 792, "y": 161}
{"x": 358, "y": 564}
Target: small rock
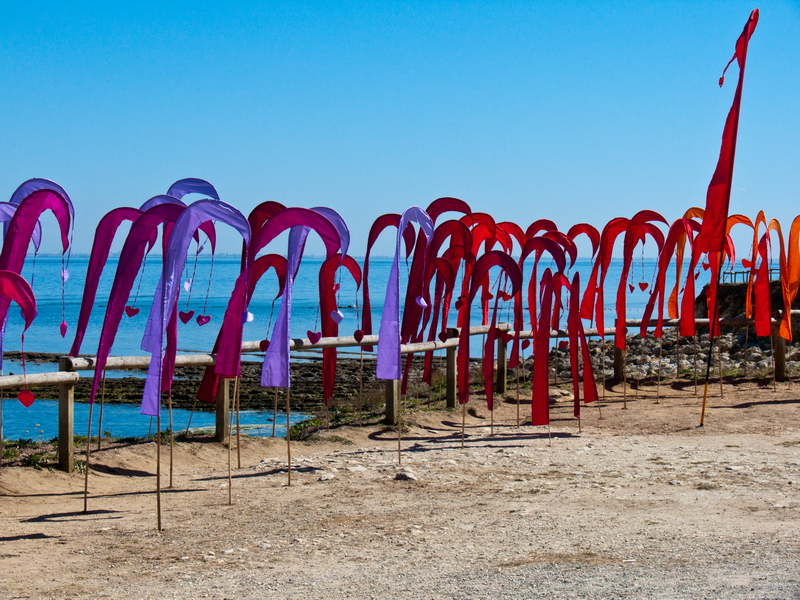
{"x": 357, "y": 468}
{"x": 326, "y": 476}
{"x": 406, "y": 475}
{"x": 674, "y": 482}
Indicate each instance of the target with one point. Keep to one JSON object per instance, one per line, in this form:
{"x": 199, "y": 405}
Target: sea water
{"x": 212, "y": 280}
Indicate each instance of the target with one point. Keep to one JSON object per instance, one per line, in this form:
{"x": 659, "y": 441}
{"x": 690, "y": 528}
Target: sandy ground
{"x": 640, "y": 503}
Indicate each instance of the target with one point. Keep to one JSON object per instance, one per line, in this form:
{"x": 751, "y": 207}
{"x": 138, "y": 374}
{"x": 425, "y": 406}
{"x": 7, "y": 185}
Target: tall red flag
{"x": 718, "y": 197}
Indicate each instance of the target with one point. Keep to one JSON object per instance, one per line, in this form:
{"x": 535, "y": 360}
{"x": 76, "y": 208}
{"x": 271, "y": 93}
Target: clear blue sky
{"x": 573, "y": 111}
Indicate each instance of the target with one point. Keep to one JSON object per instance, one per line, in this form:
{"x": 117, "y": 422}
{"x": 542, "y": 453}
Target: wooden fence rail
{"x": 67, "y": 376}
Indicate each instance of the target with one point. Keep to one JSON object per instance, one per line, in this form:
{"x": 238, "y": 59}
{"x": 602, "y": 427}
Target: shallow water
{"x": 40, "y": 421}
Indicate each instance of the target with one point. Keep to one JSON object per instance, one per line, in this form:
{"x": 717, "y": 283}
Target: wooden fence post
{"x": 223, "y": 403}
{"x": 778, "y": 351}
{"x": 619, "y": 365}
{"x": 66, "y": 422}
{"x": 392, "y": 401}
{"x": 500, "y": 385}
{"x": 450, "y": 362}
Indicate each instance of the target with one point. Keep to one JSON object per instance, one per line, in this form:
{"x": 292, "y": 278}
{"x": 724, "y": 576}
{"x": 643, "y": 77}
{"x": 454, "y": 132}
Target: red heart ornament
{"x": 459, "y": 304}
{"x": 185, "y": 317}
{"x": 630, "y": 287}
{"x": 563, "y": 344}
{"x": 643, "y": 285}
{"x": 525, "y": 344}
{"x": 747, "y": 263}
{"x": 314, "y": 336}
{"x": 26, "y": 398}
{"x": 706, "y": 266}
{"x": 131, "y": 311}
{"x": 444, "y": 336}
{"x": 263, "y": 344}
{"x": 507, "y": 337}
{"x": 358, "y": 335}
{"x": 63, "y": 328}
{"x": 202, "y": 319}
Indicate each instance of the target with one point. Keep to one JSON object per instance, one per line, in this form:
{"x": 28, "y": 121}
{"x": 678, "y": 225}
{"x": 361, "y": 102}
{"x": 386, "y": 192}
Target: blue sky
{"x": 573, "y": 111}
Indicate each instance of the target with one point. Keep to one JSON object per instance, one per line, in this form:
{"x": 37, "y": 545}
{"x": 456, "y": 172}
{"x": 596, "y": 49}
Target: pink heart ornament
{"x": 185, "y": 316}
{"x": 263, "y": 344}
{"x": 358, "y": 335}
{"x": 314, "y": 336}
{"x": 132, "y": 311}
{"x": 203, "y": 319}
{"x": 26, "y": 398}
{"x": 63, "y": 328}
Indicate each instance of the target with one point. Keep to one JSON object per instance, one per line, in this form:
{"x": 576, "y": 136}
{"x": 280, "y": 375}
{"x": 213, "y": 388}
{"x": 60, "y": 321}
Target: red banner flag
{"x": 712, "y": 234}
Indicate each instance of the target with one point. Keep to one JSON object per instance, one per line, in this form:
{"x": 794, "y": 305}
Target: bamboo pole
{"x": 719, "y": 359}
{"x": 238, "y": 424}
{"x": 86, "y": 466}
{"x": 230, "y": 443}
{"x": 100, "y": 417}
{"x": 288, "y": 441}
{"x": 695, "y": 364}
{"x": 275, "y": 412}
{"x": 171, "y": 436}
{"x": 658, "y": 376}
{"x": 158, "y": 469}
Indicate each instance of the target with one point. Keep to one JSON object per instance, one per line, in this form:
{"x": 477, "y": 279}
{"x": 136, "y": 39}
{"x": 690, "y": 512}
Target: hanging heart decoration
{"x": 248, "y": 317}
{"x": 203, "y": 319}
{"x": 444, "y": 336}
{"x": 63, "y": 328}
{"x": 263, "y": 344}
{"x": 630, "y": 287}
{"x": 706, "y": 266}
{"x": 525, "y": 344}
{"x": 187, "y": 285}
{"x": 337, "y": 316}
{"x": 64, "y": 275}
{"x": 421, "y": 302}
{"x": 459, "y": 304}
{"x": 185, "y": 316}
{"x": 358, "y": 335}
{"x": 132, "y": 311}
{"x": 314, "y": 336}
{"x": 643, "y": 285}
{"x": 506, "y": 337}
{"x": 336, "y": 287}
{"x": 747, "y": 264}
{"x": 563, "y": 344}
{"x": 26, "y": 398}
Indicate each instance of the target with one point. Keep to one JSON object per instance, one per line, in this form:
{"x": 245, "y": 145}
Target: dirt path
{"x": 641, "y": 503}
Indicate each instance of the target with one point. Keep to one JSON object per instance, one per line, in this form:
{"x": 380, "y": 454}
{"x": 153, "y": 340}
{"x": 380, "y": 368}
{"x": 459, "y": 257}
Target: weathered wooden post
{"x": 450, "y": 363}
{"x": 778, "y": 350}
{"x": 66, "y": 424}
{"x": 619, "y": 365}
{"x": 392, "y": 401}
{"x": 222, "y": 402}
{"x": 502, "y": 366}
